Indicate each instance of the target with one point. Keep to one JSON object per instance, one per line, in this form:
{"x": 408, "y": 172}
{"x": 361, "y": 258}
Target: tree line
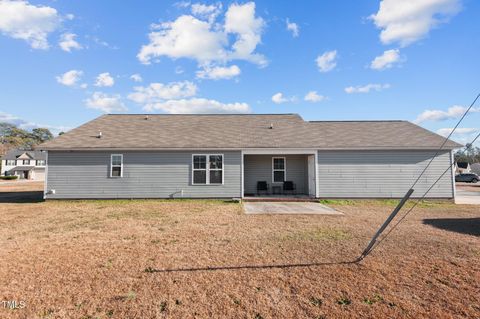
{"x": 470, "y": 154}
{"x": 12, "y": 137}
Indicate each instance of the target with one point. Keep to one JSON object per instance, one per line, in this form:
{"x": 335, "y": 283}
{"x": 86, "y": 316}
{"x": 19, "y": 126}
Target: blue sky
{"x": 64, "y": 63}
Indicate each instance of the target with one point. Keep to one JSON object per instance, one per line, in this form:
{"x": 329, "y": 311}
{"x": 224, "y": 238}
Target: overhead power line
{"x": 374, "y": 242}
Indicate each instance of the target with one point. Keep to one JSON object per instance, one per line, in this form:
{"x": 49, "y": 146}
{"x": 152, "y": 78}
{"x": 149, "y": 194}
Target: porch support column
{"x": 242, "y": 179}
{"x": 317, "y": 192}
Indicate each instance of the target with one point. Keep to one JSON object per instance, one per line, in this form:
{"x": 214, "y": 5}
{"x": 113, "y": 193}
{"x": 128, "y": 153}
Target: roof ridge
{"x": 203, "y": 114}
{"x": 350, "y": 121}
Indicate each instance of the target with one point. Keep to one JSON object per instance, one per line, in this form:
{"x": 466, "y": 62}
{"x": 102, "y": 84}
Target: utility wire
{"x": 424, "y": 170}
{"x": 445, "y": 141}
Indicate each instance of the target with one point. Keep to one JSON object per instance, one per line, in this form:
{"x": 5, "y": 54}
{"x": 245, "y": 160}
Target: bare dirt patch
{"x": 206, "y": 259}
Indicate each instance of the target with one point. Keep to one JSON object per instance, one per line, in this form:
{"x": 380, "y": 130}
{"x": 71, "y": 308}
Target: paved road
{"x": 468, "y": 193}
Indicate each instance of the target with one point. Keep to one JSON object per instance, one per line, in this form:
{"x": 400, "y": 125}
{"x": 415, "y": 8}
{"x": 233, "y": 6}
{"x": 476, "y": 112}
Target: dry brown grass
{"x": 104, "y": 259}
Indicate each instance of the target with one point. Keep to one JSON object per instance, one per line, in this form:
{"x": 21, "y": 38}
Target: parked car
{"x": 467, "y": 177}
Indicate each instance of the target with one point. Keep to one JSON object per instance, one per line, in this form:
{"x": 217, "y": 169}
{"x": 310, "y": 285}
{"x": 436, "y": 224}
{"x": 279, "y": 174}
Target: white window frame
{"x": 14, "y": 162}
{"x": 29, "y": 162}
{"x": 111, "y": 165}
{"x": 284, "y": 170}
{"x": 207, "y": 169}
{"x": 44, "y": 163}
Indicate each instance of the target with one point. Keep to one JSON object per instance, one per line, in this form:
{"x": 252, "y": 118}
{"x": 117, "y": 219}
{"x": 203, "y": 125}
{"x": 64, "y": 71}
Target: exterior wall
{"x": 145, "y": 175}
{"x": 259, "y": 168}
{"x": 38, "y": 174}
{"x": 382, "y": 174}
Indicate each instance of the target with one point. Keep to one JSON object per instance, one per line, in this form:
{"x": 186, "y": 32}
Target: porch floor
{"x": 280, "y": 198}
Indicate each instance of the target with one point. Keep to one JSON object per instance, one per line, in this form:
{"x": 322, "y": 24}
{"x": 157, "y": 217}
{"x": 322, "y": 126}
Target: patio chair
{"x": 289, "y": 187}
{"x": 262, "y": 186}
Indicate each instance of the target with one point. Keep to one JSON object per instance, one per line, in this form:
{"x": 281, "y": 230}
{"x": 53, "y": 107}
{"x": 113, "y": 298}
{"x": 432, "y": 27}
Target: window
{"x": 278, "y": 169}
{"x": 116, "y": 165}
{"x": 26, "y": 162}
{"x": 40, "y": 162}
{"x": 207, "y": 169}
{"x": 11, "y": 162}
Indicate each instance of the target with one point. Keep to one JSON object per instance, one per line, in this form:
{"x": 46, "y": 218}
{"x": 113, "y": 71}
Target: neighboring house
{"x": 24, "y": 164}
{"x": 462, "y": 167}
{"x": 475, "y": 168}
{"x": 225, "y": 156}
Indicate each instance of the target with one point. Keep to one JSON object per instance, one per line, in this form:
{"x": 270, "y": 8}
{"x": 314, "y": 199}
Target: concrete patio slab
{"x": 294, "y": 208}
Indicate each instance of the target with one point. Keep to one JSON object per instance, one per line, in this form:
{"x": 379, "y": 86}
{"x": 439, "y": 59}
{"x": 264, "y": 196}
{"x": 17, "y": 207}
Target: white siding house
{"x": 24, "y": 164}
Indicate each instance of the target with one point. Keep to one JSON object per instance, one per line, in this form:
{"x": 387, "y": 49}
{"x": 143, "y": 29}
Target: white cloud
{"x": 198, "y": 106}
{"x": 69, "y": 78}
{"x": 459, "y": 131}
{"x": 68, "y": 42}
{"x": 314, "y": 97}
{"x": 105, "y": 103}
{"x": 186, "y": 37}
{"x": 327, "y": 61}
{"x": 453, "y": 112}
{"x": 158, "y": 92}
{"x": 178, "y": 97}
{"x": 293, "y": 27}
{"x": 407, "y": 21}
{"x": 104, "y": 79}
{"x": 219, "y": 72}
{"x": 207, "y": 42}
{"x": 278, "y": 98}
{"x": 241, "y": 20}
{"x": 209, "y": 12}
{"x": 387, "y": 60}
{"x": 366, "y": 88}
{"x": 136, "y": 77}
{"x": 21, "y": 20}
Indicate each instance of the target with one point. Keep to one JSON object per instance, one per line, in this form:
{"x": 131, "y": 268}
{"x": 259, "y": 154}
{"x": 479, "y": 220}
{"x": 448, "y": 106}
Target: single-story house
{"x": 229, "y": 156}
{"x": 26, "y": 164}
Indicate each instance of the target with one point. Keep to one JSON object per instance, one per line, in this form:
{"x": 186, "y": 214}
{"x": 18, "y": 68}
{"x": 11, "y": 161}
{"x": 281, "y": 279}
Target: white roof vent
{"x": 146, "y": 117}
{"x": 99, "y": 135}
{"x": 271, "y": 126}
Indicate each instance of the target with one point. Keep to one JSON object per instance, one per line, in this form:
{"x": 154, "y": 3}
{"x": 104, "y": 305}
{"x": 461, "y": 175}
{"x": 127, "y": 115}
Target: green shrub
{"x": 9, "y": 177}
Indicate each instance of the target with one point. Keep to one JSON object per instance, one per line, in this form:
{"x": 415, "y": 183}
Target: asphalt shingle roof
{"x": 235, "y": 131}
{"x": 13, "y": 154}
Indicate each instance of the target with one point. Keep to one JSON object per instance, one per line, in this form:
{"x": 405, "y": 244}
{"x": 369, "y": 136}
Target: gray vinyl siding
{"x": 381, "y": 174}
{"x": 145, "y": 175}
{"x": 259, "y": 168}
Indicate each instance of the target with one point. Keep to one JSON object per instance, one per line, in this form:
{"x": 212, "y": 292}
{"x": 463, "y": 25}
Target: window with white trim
{"x": 207, "y": 169}
{"x": 40, "y": 162}
{"x": 11, "y": 162}
{"x": 26, "y": 162}
{"x": 278, "y": 169}
{"x": 116, "y": 165}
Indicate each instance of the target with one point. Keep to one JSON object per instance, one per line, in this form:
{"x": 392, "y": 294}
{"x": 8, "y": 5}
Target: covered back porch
{"x": 279, "y": 174}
